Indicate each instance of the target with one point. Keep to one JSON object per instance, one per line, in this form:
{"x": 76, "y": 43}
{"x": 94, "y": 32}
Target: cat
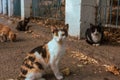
{"x": 22, "y": 25}
{"x": 6, "y": 33}
{"x": 94, "y": 34}
{"x": 48, "y": 55}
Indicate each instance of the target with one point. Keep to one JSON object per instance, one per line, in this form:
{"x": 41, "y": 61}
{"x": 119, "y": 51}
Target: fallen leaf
{"x": 66, "y": 71}
{"x": 112, "y": 69}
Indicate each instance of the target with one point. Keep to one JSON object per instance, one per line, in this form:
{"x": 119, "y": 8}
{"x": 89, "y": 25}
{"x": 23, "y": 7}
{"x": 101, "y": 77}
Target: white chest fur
{"x": 56, "y": 50}
{"x": 96, "y": 38}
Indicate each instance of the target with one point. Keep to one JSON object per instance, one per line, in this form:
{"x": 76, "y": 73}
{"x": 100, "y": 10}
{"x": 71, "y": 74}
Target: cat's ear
{"x": 53, "y": 28}
{"x": 91, "y": 25}
{"x": 66, "y": 27}
{"x": 100, "y": 24}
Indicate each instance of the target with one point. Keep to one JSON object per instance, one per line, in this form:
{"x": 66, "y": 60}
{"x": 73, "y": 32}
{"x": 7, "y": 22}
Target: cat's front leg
{"x": 3, "y": 38}
{"x": 55, "y": 69}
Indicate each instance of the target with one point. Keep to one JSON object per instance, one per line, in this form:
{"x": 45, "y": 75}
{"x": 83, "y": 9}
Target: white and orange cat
{"x": 42, "y": 57}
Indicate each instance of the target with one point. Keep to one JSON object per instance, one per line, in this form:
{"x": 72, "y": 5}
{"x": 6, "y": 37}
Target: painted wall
{"x": 25, "y": 9}
{"x": 17, "y": 7}
{"x": 10, "y": 8}
{"x": 73, "y": 16}
{"x": 79, "y": 14}
{"x": 4, "y": 2}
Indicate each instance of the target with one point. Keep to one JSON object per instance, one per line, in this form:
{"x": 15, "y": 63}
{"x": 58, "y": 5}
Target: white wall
{"x": 72, "y": 12}
{"x": 0, "y": 6}
{"x": 79, "y": 14}
{"x": 10, "y": 8}
{"x": 4, "y": 2}
{"x": 22, "y": 10}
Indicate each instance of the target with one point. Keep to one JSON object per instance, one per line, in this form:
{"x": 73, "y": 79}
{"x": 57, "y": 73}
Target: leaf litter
{"x": 88, "y": 60}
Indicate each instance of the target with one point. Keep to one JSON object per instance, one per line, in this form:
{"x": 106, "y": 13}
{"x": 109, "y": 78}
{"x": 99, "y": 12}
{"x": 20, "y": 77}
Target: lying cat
{"x": 45, "y": 56}
{"x": 22, "y": 25}
{"x": 6, "y": 33}
{"x": 94, "y": 35}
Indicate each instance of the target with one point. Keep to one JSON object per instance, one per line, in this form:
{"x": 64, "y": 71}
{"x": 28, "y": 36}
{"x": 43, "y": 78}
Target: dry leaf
{"x": 66, "y": 71}
{"x": 80, "y": 65}
{"x": 112, "y": 68}
{"x": 30, "y": 31}
{"x": 81, "y": 57}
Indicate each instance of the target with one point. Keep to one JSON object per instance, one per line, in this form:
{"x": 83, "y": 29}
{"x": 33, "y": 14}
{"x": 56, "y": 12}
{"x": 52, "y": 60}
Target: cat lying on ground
{"x": 94, "y": 35}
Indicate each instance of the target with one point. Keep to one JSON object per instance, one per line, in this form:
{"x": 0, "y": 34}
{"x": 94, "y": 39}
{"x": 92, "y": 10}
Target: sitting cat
{"x": 94, "y": 35}
{"x": 22, "y": 25}
{"x": 45, "y": 56}
{"x": 6, "y": 33}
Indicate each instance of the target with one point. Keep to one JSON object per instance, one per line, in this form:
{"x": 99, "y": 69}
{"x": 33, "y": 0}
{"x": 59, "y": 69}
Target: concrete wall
{"x": 25, "y": 9}
{"x": 10, "y": 8}
{"x": 79, "y": 14}
{"x": 88, "y": 15}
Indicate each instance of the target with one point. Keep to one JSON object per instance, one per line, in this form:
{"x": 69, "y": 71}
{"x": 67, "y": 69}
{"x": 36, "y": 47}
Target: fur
{"x": 6, "y": 33}
{"x": 48, "y": 55}
{"x": 94, "y": 35}
{"x": 22, "y": 25}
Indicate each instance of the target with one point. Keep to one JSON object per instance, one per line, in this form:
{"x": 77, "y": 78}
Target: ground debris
{"x": 113, "y": 69}
{"x": 29, "y": 31}
{"x": 112, "y": 34}
{"x": 12, "y": 79}
{"x": 66, "y": 71}
{"x": 35, "y": 35}
{"x": 83, "y": 58}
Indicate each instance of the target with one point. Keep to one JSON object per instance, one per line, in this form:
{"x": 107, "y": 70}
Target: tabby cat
{"x": 48, "y": 55}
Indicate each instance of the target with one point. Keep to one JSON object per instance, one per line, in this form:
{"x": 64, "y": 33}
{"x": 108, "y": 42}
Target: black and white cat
{"x": 94, "y": 34}
{"x": 48, "y": 55}
{"x": 22, "y": 25}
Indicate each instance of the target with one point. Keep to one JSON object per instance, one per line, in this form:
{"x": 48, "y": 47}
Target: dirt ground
{"x": 81, "y": 62}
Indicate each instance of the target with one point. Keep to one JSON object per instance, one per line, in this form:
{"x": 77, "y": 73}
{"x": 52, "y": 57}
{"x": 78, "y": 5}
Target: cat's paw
{"x": 59, "y": 76}
{"x": 96, "y": 45}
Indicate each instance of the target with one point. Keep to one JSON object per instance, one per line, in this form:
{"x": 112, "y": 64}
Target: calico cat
{"x": 6, "y": 33}
{"x": 22, "y": 25}
{"x": 94, "y": 34}
{"x": 45, "y": 56}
